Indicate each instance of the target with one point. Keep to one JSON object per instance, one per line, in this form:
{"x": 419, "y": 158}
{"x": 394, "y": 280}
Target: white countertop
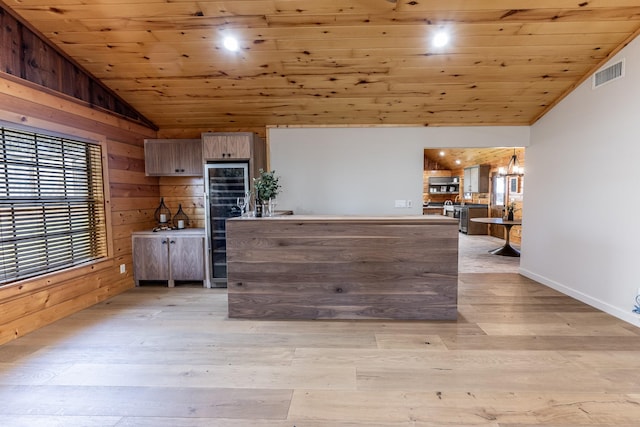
{"x": 183, "y": 232}
{"x": 425, "y": 219}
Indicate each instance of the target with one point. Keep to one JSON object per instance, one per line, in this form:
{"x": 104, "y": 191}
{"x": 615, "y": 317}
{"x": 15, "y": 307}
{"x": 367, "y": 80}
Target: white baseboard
{"x": 621, "y": 314}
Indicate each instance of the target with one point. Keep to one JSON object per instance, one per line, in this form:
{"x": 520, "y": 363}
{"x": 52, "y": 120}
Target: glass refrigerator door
{"x": 225, "y": 183}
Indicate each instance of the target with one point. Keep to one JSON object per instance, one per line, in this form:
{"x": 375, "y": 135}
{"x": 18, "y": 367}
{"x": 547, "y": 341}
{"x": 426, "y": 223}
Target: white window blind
{"x": 51, "y": 204}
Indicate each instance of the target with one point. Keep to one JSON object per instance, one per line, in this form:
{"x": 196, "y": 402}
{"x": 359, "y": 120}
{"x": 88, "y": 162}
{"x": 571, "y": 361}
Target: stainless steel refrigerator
{"x": 225, "y": 182}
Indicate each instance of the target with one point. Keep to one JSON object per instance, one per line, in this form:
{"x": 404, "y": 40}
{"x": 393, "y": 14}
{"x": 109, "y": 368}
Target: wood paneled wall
{"x": 27, "y": 55}
{"x": 133, "y": 197}
{"x": 188, "y": 191}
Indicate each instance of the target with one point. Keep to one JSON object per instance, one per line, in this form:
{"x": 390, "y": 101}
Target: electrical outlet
{"x": 123, "y": 268}
{"x": 409, "y": 203}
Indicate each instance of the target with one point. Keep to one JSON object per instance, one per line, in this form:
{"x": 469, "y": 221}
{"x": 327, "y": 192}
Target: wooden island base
{"x": 337, "y": 267}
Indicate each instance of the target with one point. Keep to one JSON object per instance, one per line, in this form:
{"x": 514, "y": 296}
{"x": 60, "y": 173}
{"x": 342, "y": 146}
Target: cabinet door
{"x": 158, "y": 157}
{"x": 473, "y": 179}
{"x": 189, "y": 157}
{"x": 173, "y": 157}
{"x": 483, "y": 178}
{"x": 226, "y": 146}
{"x": 186, "y": 258}
{"x": 476, "y": 179}
{"x": 150, "y": 258}
{"x": 467, "y": 180}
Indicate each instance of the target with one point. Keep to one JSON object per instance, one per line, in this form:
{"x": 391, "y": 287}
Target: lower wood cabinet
{"x": 169, "y": 256}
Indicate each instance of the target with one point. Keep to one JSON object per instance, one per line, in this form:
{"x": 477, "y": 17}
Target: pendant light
{"x": 513, "y": 168}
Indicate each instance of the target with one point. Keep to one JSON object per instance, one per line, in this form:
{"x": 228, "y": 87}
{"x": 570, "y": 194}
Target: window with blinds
{"x": 51, "y": 204}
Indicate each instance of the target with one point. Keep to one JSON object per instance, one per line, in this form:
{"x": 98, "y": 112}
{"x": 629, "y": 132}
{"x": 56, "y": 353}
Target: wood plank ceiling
{"x": 336, "y": 62}
{"x": 456, "y": 159}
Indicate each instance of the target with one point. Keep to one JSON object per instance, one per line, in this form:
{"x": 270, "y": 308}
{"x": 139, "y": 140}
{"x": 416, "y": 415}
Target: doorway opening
{"x": 477, "y": 172}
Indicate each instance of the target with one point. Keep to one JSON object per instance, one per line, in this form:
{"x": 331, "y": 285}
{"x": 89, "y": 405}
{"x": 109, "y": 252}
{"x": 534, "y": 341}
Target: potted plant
{"x": 266, "y": 187}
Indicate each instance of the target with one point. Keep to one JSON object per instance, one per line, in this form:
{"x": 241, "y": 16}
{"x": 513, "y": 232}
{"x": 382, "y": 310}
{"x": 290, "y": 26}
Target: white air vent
{"x": 609, "y": 74}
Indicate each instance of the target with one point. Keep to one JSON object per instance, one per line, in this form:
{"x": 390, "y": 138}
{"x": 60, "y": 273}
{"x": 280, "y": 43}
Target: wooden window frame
{"x": 95, "y": 245}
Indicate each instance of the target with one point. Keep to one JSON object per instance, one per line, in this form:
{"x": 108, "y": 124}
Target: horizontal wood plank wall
{"x": 27, "y": 55}
{"x": 187, "y": 191}
{"x": 33, "y": 303}
{"x": 371, "y": 269}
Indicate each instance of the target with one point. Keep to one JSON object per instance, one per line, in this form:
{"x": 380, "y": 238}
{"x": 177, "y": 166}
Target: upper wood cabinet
{"x": 217, "y": 146}
{"x": 173, "y": 157}
{"x": 227, "y": 146}
{"x": 476, "y": 179}
{"x": 230, "y": 146}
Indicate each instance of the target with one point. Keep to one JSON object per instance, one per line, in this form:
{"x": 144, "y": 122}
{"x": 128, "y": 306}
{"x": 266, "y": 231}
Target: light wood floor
{"x": 519, "y": 355}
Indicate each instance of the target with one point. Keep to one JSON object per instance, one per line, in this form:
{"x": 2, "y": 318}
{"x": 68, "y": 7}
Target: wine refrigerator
{"x": 224, "y": 183}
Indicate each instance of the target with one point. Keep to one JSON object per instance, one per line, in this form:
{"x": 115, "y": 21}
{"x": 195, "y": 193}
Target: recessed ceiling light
{"x": 231, "y": 43}
{"x": 458, "y": 162}
{"x": 441, "y": 153}
{"x": 441, "y": 39}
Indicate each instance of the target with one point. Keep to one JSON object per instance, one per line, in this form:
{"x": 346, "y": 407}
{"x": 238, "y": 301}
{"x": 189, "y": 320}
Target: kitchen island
{"x": 343, "y": 267}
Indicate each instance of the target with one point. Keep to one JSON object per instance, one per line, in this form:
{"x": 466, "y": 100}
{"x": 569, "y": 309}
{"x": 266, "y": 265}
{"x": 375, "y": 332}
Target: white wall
{"x": 580, "y": 232}
{"x": 362, "y": 171}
